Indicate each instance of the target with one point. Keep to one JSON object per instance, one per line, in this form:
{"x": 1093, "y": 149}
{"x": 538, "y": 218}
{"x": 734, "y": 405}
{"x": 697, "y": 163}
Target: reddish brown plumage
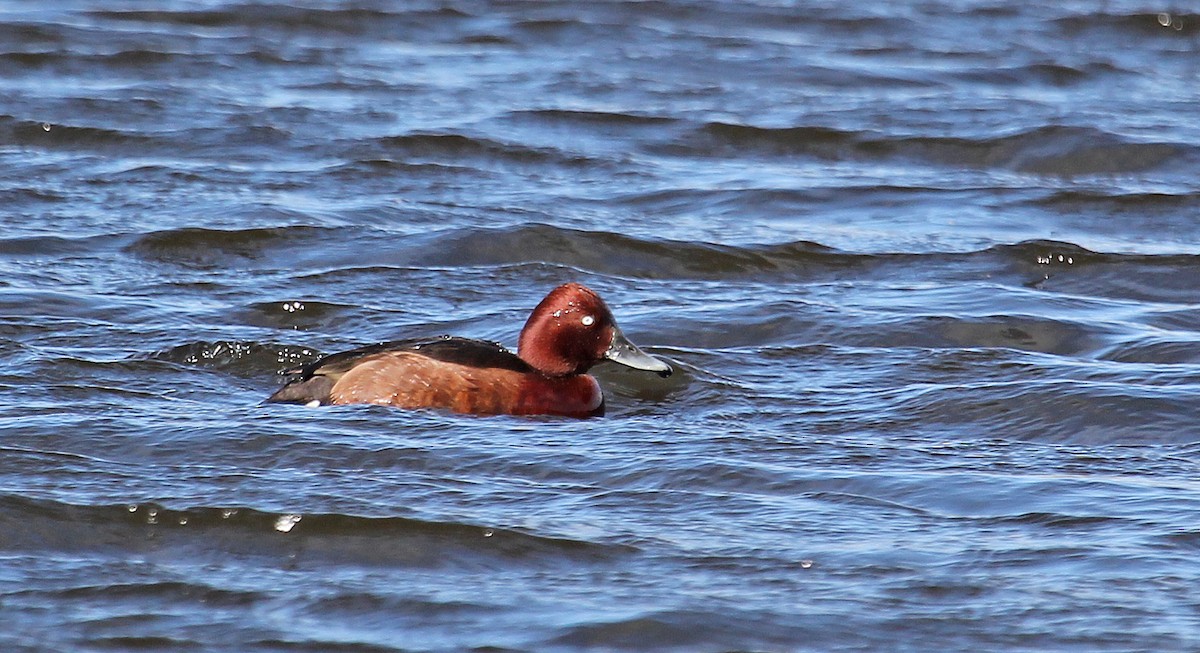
{"x": 408, "y": 379}
{"x": 567, "y": 333}
{"x": 555, "y": 339}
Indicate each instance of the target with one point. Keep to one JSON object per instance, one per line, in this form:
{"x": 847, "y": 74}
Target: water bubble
{"x": 131, "y": 507}
{"x": 806, "y": 564}
{"x": 487, "y": 532}
{"x": 285, "y": 523}
{"x": 228, "y": 512}
{"x": 45, "y": 126}
{"x": 1167, "y": 20}
{"x": 183, "y": 521}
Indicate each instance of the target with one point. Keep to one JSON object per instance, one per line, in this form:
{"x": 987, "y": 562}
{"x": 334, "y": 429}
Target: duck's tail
{"x": 302, "y": 390}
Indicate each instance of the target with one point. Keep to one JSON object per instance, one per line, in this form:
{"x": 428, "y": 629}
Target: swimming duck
{"x": 568, "y": 332}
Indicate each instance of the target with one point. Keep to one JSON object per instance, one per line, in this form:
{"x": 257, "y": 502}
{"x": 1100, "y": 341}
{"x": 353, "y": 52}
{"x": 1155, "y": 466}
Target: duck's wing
{"x": 314, "y": 381}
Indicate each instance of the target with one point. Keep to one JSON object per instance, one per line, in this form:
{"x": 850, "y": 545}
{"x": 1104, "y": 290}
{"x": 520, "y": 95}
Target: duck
{"x": 568, "y": 332}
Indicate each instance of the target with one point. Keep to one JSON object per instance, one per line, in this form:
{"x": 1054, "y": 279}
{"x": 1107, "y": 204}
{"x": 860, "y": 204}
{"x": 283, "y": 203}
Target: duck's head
{"x": 572, "y": 329}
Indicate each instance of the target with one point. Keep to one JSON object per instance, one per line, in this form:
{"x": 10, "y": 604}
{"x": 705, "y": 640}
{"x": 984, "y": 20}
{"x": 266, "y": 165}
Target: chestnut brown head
{"x": 572, "y": 329}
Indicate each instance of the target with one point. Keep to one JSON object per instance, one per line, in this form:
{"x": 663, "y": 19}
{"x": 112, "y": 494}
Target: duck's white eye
{"x": 588, "y": 320}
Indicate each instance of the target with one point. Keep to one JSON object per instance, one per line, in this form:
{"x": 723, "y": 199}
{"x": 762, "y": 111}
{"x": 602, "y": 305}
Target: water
{"x": 928, "y": 274}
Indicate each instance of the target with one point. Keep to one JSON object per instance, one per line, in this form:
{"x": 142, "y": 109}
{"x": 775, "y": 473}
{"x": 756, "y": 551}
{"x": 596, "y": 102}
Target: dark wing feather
{"x": 474, "y": 353}
{"x": 462, "y": 351}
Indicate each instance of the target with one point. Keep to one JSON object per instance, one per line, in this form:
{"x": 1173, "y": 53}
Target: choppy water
{"x": 929, "y": 274}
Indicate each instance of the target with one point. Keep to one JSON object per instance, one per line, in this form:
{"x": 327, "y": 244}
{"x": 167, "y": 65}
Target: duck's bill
{"x": 626, "y": 353}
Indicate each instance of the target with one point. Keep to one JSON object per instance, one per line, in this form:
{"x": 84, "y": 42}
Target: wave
{"x": 609, "y": 252}
{"x": 73, "y": 137}
{"x": 37, "y": 246}
{"x": 322, "y": 251}
{"x": 627, "y": 256}
{"x": 593, "y": 118}
{"x": 1120, "y": 407}
{"x": 1093, "y": 200}
{"x": 1049, "y": 74}
{"x": 42, "y": 524}
{"x": 1136, "y": 24}
{"x": 454, "y": 148}
{"x": 133, "y": 58}
{"x": 249, "y": 359}
{"x": 208, "y": 248}
{"x": 285, "y": 16}
{"x": 1047, "y": 150}
{"x": 699, "y": 630}
{"x": 32, "y": 133}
